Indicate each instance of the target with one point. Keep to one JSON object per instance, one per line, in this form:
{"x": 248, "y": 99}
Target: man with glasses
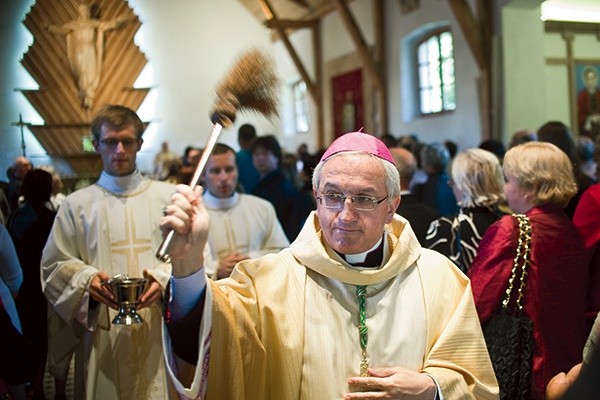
{"x": 353, "y": 309}
{"x": 101, "y": 231}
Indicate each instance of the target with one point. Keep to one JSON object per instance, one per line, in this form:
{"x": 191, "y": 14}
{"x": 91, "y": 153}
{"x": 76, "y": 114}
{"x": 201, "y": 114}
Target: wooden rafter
{"x": 270, "y": 15}
{"x": 314, "y": 87}
{"x": 359, "y": 42}
{"x": 301, "y": 3}
{"x": 478, "y": 34}
{"x": 381, "y": 62}
{"x": 289, "y": 24}
{"x": 471, "y": 29}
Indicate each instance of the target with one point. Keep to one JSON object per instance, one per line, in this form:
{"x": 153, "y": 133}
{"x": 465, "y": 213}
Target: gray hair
{"x": 392, "y": 177}
{"x": 478, "y": 175}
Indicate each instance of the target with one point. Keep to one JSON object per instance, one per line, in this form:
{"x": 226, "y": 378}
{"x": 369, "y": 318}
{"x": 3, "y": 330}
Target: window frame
{"x": 419, "y": 88}
{"x": 300, "y": 104}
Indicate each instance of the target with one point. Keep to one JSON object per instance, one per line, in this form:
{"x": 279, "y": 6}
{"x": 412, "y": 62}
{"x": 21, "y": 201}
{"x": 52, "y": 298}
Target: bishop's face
{"x": 346, "y": 229}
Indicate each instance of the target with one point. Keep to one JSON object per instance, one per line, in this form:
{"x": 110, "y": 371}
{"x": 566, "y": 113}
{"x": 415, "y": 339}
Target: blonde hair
{"x": 478, "y": 175}
{"x": 543, "y": 168}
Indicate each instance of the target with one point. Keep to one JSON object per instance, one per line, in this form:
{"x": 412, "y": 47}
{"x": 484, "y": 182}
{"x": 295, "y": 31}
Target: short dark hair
{"x": 117, "y": 118}
{"x": 268, "y": 142}
{"x": 560, "y": 135}
{"x": 221, "y": 148}
{"x": 37, "y": 186}
{"x": 246, "y": 133}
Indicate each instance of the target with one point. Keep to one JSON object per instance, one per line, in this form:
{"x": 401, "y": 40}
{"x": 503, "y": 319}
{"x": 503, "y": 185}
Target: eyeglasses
{"x": 337, "y": 201}
{"x": 113, "y": 143}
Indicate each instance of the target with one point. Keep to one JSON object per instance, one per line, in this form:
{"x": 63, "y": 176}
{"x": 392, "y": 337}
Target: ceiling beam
{"x": 270, "y": 15}
{"x": 289, "y": 23}
{"x": 359, "y": 42}
{"x": 478, "y": 34}
{"x": 314, "y": 88}
{"x": 380, "y": 54}
{"x": 301, "y": 3}
{"x": 470, "y": 28}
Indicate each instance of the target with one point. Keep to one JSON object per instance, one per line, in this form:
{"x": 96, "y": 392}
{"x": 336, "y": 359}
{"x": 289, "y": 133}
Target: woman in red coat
{"x": 539, "y": 183}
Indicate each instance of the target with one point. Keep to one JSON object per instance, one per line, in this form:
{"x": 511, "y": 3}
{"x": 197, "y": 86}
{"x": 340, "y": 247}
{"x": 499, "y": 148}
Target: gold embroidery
{"x": 132, "y": 245}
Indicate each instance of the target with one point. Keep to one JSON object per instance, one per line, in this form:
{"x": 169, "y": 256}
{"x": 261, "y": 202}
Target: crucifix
{"x": 21, "y": 124}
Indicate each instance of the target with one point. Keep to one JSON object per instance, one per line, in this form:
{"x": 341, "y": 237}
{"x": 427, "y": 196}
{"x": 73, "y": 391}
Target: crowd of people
{"x": 366, "y": 268}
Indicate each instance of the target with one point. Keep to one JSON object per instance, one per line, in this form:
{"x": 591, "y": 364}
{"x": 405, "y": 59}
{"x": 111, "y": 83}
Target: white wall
{"x": 461, "y": 125}
{"x": 523, "y": 50}
{"x": 536, "y": 80}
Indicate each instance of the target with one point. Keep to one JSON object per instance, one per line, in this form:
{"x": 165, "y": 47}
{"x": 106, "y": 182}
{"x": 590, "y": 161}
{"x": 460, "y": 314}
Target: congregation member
{"x": 14, "y": 372}
{"x": 163, "y": 161}
{"x": 539, "y": 183}
{"x": 242, "y": 226}
{"x": 560, "y": 135}
{"x": 477, "y": 183}
{"x": 249, "y": 175}
{"x": 273, "y": 186}
{"x": 435, "y": 192}
{"x": 101, "y": 231}
{"x": 354, "y": 308}
{"x": 587, "y": 221}
{"x": 29, "y": 226}
{"x": 585, "y": 157}
{"x": 19, "y": 169}
{"x": 11, "y": 277}
{"x": 521, "y": 136}
{"x": 418, "y": 214}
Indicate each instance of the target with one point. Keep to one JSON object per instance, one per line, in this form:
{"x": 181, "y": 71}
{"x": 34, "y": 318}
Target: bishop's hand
{"x": 189, "y": 219}
{"x": 392, "y": 383}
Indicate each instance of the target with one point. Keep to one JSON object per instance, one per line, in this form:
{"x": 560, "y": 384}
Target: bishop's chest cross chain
{"x": 361, "y": 292}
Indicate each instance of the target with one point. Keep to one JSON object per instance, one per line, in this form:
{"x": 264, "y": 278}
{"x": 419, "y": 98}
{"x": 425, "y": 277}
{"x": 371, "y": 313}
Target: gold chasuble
{"x": 285, "y": 326}
{"x": 111, "y": 226}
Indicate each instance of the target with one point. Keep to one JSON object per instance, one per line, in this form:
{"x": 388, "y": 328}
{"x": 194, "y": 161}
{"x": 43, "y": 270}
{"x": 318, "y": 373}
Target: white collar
{"x": 120, "y": 184}
{"x": 360, "y": 257}
{"x": 220, "y": 204}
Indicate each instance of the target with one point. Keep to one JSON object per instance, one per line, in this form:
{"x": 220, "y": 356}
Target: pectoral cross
{"x": 364, "y": 365}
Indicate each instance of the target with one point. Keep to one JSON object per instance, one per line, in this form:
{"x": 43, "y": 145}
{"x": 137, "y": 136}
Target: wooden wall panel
{"x": 66, "y": 120}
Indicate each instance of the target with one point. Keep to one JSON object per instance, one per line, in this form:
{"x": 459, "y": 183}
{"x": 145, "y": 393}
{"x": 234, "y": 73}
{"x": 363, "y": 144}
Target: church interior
{"x": 340, "y": 149}
{"x": 515, "y": 65}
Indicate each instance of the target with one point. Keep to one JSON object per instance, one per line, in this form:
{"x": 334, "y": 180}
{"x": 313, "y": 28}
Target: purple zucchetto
{"x": 359, "y": 141}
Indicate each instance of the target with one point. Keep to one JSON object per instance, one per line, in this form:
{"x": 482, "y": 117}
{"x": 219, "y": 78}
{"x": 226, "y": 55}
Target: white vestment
{"x": 243, "y": 223}
{"x": 112, "y": 226}
{"x": 297, "y": 311}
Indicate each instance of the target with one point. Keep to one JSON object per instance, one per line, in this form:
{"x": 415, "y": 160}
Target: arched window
{"x": 435, "y": 71}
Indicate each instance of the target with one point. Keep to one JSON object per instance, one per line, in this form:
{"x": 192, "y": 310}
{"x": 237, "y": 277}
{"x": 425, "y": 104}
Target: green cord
{"x": 361, "y": 292}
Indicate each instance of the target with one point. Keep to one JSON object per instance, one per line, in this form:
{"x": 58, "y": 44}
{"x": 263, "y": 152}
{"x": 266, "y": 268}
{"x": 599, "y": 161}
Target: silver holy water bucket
{"x": 127, "y": 293}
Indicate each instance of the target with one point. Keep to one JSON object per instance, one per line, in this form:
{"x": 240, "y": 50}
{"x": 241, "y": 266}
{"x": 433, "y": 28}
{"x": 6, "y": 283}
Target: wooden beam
{"x": 301, "y": 3}
{"x": 318, "y": 64}
{"x": 484, "y": 14}
{"x": 359, "y": 42}
{"x": 289, "y": 24}
{"x": 379, "y": 21}
{"x": 470, "y": 28}
{"x": 569, "y": 38}
{"x": 478, "y": 34}
{"x": 270, "y": 14}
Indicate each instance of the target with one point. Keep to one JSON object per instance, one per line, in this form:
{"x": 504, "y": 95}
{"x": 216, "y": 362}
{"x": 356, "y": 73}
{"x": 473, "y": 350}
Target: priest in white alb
{"x": 242, "y": 226}
{"x": 108, "y": 229}
{"x": 355, "y": 308}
